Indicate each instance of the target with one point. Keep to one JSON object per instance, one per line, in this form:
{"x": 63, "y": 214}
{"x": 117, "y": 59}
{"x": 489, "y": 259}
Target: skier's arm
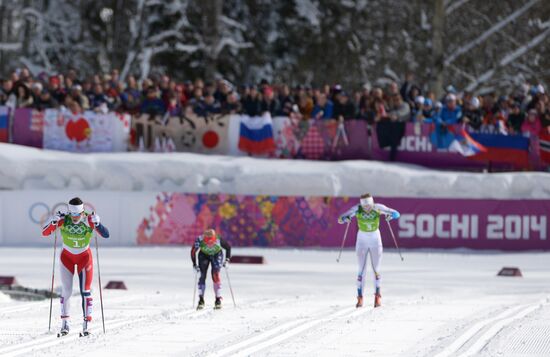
{"x": 55, "y": 222}
{"x": 348, "y": 215}
{"x": 194, "y": 251}
{"x": 227, "y": 248}
{"x": 390, "y": 213}
{"x": 95, "y": 222}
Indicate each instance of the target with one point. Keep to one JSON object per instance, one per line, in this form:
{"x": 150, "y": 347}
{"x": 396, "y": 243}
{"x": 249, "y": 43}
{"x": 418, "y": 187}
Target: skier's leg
{"x": 85, "y": 276}
{"x": 203, "y": 265}
{"x": 361, "y": 250}
{"x": 376, "y": 251}
{"x": 66, "y": 269}
{"x": 217, "y": 262}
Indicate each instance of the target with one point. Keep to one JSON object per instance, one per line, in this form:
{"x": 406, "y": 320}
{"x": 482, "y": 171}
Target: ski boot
{"x": 200, "y": 306}
{"x": 85, "y": 331}
{"x": 218, "y": 303}
{"x": 377, "y": 300}
{"x": 359, "y": 302}
{"x": 64, "y": 329}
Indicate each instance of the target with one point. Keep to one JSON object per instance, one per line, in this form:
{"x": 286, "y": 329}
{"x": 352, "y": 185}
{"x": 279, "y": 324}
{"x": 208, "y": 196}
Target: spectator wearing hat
{"x": 324, "y": 107}
{"x": 344, "y": 108}
{"x": 427, "y": 112}
{"x": 36, "y": 89}
{"x": 55, "y": 89}
{"x": 270, "y": 103}
{"x": 451, "y": 113}
{"x": 77, "y": 94}
{"x": 471, "y": 115}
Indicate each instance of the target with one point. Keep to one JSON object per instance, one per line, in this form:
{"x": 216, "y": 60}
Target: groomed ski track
{"x": 301, "y": 303}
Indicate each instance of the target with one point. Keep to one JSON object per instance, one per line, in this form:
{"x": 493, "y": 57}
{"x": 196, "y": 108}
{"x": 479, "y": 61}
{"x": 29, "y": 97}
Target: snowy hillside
{"x": 24, "y": 168}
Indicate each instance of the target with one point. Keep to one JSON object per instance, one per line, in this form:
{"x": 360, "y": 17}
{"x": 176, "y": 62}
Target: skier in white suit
{"x": 368, "y": 241}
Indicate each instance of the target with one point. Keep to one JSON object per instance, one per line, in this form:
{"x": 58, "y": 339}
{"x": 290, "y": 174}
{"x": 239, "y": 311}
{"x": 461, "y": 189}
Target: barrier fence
{"x": 279, "y": 137}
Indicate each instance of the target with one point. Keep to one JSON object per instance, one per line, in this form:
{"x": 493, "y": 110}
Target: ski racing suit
{"x": 368, "y": 240}
{"x": 210, "y": 254}
{"x": 76, "y": 252}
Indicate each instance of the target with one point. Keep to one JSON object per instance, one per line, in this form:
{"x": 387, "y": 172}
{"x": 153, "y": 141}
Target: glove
{"x": 56, "y": 218}
{"x": 95, "y": 219}
{"x": 394, "y": 215}
{"x": 196, "y": 268}
{"x": 226, "y": 262}
{"x": 344, "y": 219}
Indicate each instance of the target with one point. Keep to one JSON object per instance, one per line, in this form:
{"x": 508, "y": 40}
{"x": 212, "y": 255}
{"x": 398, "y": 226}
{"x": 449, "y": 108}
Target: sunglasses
{"x": 73, "y": 214}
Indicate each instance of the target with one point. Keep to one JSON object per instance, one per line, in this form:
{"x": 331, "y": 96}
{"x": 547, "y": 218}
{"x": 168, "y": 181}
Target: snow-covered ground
{"x": 24, "y": 168}
{"x": 301, "y": 303}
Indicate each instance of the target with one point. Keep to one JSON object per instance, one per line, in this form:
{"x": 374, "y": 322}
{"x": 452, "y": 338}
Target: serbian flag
{"x": 513, "y": 149}
{"x": 544, "y": 143}
{"x": 4, "y": 124}
{"x": 256, "y": 134}
{"x": 465, "y": 145}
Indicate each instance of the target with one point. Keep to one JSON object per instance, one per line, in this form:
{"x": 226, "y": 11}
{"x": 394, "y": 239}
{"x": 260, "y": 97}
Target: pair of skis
{"x": 65, "y": 333}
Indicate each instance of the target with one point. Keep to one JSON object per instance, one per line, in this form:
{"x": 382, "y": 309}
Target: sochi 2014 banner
{"x": 148, "y": 218}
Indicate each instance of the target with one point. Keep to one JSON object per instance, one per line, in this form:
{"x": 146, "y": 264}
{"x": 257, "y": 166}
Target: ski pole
{"x": 99, "y": 280}
{"x": 343, "y": 242}
{"x": 53, "y": 275}
{"x": 395, "y": 240}
{"x": 195, "y": 287}
{"x": 230, "y": 289}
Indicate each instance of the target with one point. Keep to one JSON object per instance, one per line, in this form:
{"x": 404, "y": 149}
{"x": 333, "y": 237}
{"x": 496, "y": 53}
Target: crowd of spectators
{"x": 525, "y": 110}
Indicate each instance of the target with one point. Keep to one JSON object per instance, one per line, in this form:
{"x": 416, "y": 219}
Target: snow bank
{"x": 24, "y": 168}
{"x": 4, "y": 297}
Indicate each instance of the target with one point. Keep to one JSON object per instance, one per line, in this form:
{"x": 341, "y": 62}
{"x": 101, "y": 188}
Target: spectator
{"x": 251, "y": 103}
{"x": 407, "y": 86}
{"x": 24, "y": 98}
{"x": 232, "y": 105}
{"x": 269, "y": 102}
{"x": 472, "y": 114}
{"x": 398, "y": 110}
{"x": 211, "y": 105}
{"x": 174, "y": 107}
{"x": 6, "y": 90}
{"x": 36, "y": 89}
{"x": 531, "y": 127}
{"x": 451, "y": 113}
{"x": 377, "y": 107}
{"x": 305, "y": 104}
{"x": 79, "y": 97}
{"x": 152, "y": 104}
{"x": 324, "y": 107}
{"x": 55, "y": 89}
{"x": 344, "y": 107}
{"x": 426, "y": 114}
{"x": 98, "y": 100}
{"x": 45, "y": 101}
{"x": 515, "y": 118}
{"x": 543, "y": 111}
{"x": 286, "y": 101}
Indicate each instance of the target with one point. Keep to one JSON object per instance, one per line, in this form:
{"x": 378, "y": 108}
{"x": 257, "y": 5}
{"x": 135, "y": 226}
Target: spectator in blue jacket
{"x": 324, "y": 107}
{"x": 451, "y": 113}
{"x": 152, "y": 104}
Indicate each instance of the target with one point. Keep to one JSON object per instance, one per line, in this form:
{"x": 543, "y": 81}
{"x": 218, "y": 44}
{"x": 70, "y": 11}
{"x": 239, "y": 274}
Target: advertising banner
{"x": 148, "y": 218}
{"x": 28, "y": 127}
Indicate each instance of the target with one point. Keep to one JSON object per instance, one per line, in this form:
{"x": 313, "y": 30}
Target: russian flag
{"x": 465, "y": 145}
{"x": 4, "y": 124}
{"x": 512, "y": 149}
{"x": 256, "y": 134}
{"x": 545, "y": 147}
